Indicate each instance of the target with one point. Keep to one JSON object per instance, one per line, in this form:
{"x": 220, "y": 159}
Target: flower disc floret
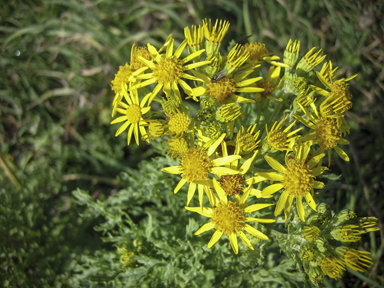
{"x": 195, "y": 165}
{"x": 179, "y": 123}
{"x": 232, "y": 184}
{"x": 328, "y": 133}
{"x": 228, "y": 217}
{"x": 133, "y": 113}
{"x": 168, "y": 70}
{"x": 298, "y": 179}
{"x": 222, "y": 89}
{"x": 257, "y": 51}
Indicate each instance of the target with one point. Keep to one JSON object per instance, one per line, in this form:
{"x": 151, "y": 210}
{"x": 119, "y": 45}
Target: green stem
{"x": 9, "y": 173}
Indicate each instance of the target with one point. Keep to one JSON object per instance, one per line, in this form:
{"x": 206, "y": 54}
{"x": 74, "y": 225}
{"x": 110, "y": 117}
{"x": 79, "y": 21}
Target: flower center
{"x": 298, "y": 179}
{"x": 133, "y": 113}
{"x": 232, "y": 184}
{"x": 268, "y": 89}
{"x": 228, "y": 217}
{"x": 195, "y": 165}
{"x": 169, "y": 70}
{"x": 178, "y": 123}
{"x": 122, "y": 76}
{"x": 257, "y": 51}
{"x": 222, "y": 89}
{"x": 332, "y": 267}
{"x": 328, "y": 133}
{"x": 277, "y": 139}
{"x": 142, "y": 51}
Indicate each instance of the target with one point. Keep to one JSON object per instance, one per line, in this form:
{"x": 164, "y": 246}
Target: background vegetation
{"x": 57, "y": 61}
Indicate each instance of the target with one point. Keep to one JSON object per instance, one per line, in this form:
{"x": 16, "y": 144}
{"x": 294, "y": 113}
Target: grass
{"x": 57, "y": 61}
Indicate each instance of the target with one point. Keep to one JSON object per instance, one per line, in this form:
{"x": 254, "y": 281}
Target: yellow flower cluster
{"x": 219, "y": 144}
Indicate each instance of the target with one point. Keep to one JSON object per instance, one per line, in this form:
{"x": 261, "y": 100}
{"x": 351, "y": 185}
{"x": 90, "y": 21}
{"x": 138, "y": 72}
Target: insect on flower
{"x": 218, "y": 76}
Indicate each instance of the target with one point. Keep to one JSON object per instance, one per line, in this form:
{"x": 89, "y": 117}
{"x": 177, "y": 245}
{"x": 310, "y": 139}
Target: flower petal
{"x": 256, "y": 207}
{"x": 215, "y": 145}
{"x": 192, "y": 56}
{"x": 191, "y": 192}
{"x": 122, "y": 128}
{"x": 245, "y": 239}
{"x": 271, "y": 176}
{"x": 247, "y": 164}
{"x": 172, "y": 170}
{"x": 205, "y": 228}
{"x": 225, "y": 160}
{"x": 215, "y": 237}
{"x": 274, "y": 164}
{"x": 233, "y": 241}
{"x": 207, "y": 212}
{"x": 119, "y": 119}
{"x": 255, "y": 232}
{"x": 281, "y": 203}
{"x": 179, "y": 185}
{"x": 272, "y": 189}
{"x": 222, "y": 171}
{"x": 259, "y": 220}
{"x": 130, "y": 132}
{"x": 288, "y": 206}
{"x": 220, "y": 191}
{"x": 310, "y": 201}
{"x": 318, "y": 185}
{"x": 312, "y": 163}
{"x": 300, "y": 208}
{"x": 341, "y": 153}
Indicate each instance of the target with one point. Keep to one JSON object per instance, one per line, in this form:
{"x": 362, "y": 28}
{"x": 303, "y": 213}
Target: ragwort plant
{"x": 255, "y": 141}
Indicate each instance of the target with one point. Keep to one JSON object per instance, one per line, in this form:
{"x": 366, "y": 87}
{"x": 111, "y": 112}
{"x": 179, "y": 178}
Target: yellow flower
{"x": 247, "y": 142}
{"x": 141, "y": 51}
{"x": 258, "y": 53}
{"x": 214, "y": 35}
{"x": 169, "y": 70}
{"x": 281, "y": 139}
{"x": 355, "y": 259}
{"x": 309, "y": 61}
{"x": 178, "y": 123}
{"x": 311, "y": 233}
{"x": 326, "y": 132}
{"x": 332, "y": 267}
{"x": 224, "y": 89}
{"x": 338, "y": 99}
{"x": 177, "y": 146}
{"x": 269, "y": 85}
{"x": 195, "y": 39}
{"x": 228, "y": 218}
{"x": 297, "y": 179}
{"x": 195, "y": 166}
{"x": 133, "y": 114}
{"x": 125, "y": 75}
